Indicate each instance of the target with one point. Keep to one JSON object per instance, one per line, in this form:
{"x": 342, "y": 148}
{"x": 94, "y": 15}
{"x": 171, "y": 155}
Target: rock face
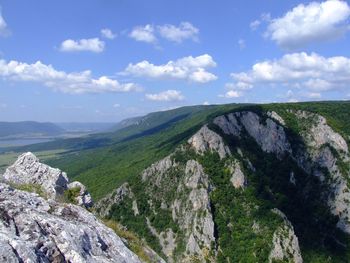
{"x": 269, "y": 135}
{"x": 229, "y": 124}
{"x": 238, "y": 179}
{"x": 205, "y": 139}
{"x": 201, "y": 207}
{"x": 28, "y": 170}
{"x": 326, "y": 149}
{"x": 274, "y": 115}
{"x": 33, "y": 229}
{"x": 285, "y": 245}
{"x": 180, "y": 191}
{"x": 104, "y": 206}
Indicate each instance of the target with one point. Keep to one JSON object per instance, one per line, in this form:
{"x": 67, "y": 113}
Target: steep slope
{"x": 36, "y": 229}
{"x": 105, "y": 161}
{"x": 247, "y": 187}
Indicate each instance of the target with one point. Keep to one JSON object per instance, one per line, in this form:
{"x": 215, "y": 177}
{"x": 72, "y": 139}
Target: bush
{"x": 71, "y": 194}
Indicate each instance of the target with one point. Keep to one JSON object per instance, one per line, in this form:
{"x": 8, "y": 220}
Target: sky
{"x": 107, "y": 60}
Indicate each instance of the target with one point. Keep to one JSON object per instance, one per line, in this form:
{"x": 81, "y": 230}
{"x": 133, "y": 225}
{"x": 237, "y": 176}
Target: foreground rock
{"x": 33, "y": 229}
{"x": 28, "y": 170}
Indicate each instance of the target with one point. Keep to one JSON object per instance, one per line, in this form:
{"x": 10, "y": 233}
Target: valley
{"x": 225, "y": 182}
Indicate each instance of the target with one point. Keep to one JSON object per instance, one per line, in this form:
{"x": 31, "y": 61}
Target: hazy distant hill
{"x": 127, "y": 122}
{"x": 85, "y": 127}
{"x": 8, "y": 129}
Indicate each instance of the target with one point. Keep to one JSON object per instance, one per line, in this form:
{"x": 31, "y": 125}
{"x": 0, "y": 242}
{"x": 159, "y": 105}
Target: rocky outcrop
{"x": 238, "y": 179}
{"x": 326, "y": 149}
{"x": 206, "y": 139}
{"x": 268, "y": 134}
{"x": 274, "y": 115}
{"x": 83, "y": 197}
{"x": 285, "y": 244}
{"x": 33, "y": 229}
{"x": 228, "y": 124}
{"x": 28, "y": 170}
{"x": 104, "y": 206}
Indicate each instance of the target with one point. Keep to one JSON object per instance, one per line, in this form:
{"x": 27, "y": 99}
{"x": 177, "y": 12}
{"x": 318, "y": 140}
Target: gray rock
{"x": 270, "y": 136}
{"x": 238, "y": 179}
{"x": 103, "y": 206}
{"x": 285, "y": 244}
{"x": 228, "y": 124}
{"x": 84, "y": 198}
{"x": 206, "y": 139}
{"x": 274, "y": 115}
{"x": 33, "y": 229}
{"x": 319, "y": 138}
{"x": 28, "y": 170}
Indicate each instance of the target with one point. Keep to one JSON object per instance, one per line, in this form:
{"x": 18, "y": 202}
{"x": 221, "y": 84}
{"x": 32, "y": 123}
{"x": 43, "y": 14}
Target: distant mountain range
{"x": 86, "y": 127}
{"x": 12, "y": 129}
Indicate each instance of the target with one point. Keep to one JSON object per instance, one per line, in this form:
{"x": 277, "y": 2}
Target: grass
{"x": 134, "y": 243}
{"x": 32, "y": 188}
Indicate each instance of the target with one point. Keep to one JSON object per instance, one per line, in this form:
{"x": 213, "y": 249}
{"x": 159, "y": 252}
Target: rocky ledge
{"x": 28, "y": 170}
{"x": 38, "y": 229}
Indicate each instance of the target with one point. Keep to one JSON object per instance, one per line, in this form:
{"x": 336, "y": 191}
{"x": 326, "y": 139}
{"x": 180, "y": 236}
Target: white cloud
{"x": 264, "y": 17}
{"x": 107, "y": 33}
{"x": 116, "y": 105}
{"x": 206, "y": 103}
{"x": 3, "y": 25}
{"x": 73, "y": 83}
{"x": 92, "y": 44}
{"x": 143, "y": 34}
{"x": 178, "y": 34}
{"x": 149, "y": 33}
{"x": 232, "y": 94}
{"x": 169, "y": 95}
{"x": 241, "y": 44}
{"x": 187, "y": 68}
{"x": 3, "y": 105}
{"x": 298, "y": 70}
{"x": 254, "y": 25}
{"x": 310, "y": 23}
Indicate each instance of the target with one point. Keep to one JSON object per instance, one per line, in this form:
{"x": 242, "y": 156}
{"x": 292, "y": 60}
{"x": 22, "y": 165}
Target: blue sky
{"x": 109, "y": 60}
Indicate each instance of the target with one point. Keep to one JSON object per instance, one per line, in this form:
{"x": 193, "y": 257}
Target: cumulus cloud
{"x": 73, "y": 83}
{"x": 188, "y": 68}
{"x": 149, "y": 33}
{"x": 91, "y": 44}
{"x": 107, "y": 33}
{"x": 169, "y": 95}
{"x": 310, "y": 23}
{"x": 179, "y": 33}
{"x": 143, "y": 34}
{"x": 232, "y": 94}
{"x": 297, "y": 70}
